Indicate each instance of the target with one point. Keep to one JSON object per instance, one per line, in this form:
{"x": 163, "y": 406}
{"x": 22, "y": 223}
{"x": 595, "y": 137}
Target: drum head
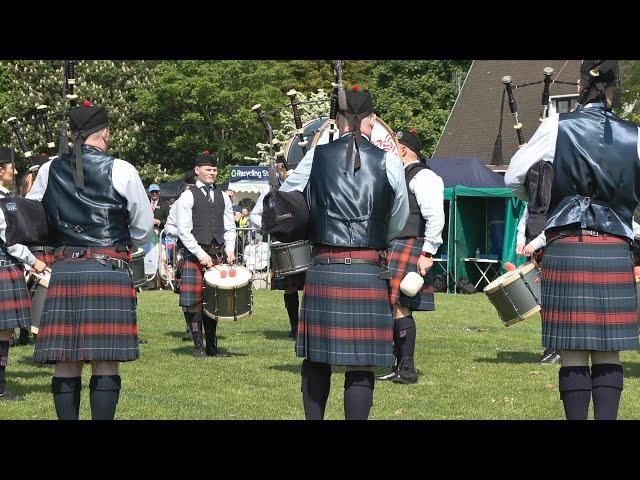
{"x": 293, "y": 151}
{"x": 382, "y": 136}
{"x": 509, "y": 277}
{"x": 214, "y": 276}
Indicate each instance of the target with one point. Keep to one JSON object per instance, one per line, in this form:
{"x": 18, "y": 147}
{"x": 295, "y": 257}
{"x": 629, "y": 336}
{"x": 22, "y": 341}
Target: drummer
{"x": 14, "y": 303}
{"x": 208, "y": 233}
{"x": 291, "y": 284}
{"x": 588, "y": 291}
{"x": 412, "y": 251}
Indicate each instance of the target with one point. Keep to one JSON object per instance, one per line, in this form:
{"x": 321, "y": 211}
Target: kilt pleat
{"x": 15, "y": 302}
{"x": 402, "y": 258}
{"x": 589, "y": 295}
{"x": 89, "y": 313}
{"x": 346, "y": 317}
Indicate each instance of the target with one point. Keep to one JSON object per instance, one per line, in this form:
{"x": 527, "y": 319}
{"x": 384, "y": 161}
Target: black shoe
{"x": 391, "y": 374}
{"x": 550, "y": 357}
{"x": 407, "y": 372}
{"x": 7, "y": 396}
{"x": 292, "y": 334}
{"x": 142, "y": 341}
{"x": 24, "y": 338}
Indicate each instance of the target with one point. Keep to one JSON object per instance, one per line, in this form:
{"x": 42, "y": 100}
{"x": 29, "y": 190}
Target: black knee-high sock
{"x": 188, "y": 317}
{"x": 66, "y": 397}
{"x": 292, "y": 304}
{"x": 358, "y": 394}
{"x": 4, "y": 358}
{"x": 104, "y": 395}
{"x": 396, "y": 342}
{"x": 575, "y": 391}
{"x": 608, "y": 379}
{"x": 407, "y": 336}
{"x": 316, "y": 383}
{"x": 210, "y": 327}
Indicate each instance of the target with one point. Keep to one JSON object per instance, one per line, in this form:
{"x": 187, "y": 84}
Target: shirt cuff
{"x": 430, "y": 247}
{"x": 30, "y": 260}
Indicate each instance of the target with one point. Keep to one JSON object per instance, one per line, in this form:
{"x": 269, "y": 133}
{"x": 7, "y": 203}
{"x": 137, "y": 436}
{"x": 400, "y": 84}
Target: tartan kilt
{"x": 89, "y": 312}
{"x": 589, "y": 295}
{"x": 15, "y": 301}
{"x": 402, "y": 258}
{"x": 345, "y": 317}
{"x": 192, "y": 280}
{"x": 289, "y": 282}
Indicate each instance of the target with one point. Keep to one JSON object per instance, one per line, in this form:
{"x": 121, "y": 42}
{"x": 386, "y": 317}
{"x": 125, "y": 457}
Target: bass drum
{"x": 293, "y": 151}
{"x": 382, "y": 136}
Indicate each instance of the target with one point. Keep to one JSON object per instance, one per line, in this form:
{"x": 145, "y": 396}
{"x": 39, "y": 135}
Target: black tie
{"x": 207, "y": 189}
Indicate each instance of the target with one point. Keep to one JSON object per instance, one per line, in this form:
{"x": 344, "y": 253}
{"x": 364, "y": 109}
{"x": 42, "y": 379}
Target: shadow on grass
{"x": 631, "y": 369}
{"x": 17, "y": 388}
{"x": 188, "y": 351}
{"x": 512, "y": 357}
{"x": 276, "y": 334}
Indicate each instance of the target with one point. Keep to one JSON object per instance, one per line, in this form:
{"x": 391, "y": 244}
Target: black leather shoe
{"x": 550, "y": 357}
{"x": 7, "y": 396}
{"x": 387, "y": 376}
{"x": 142, "y": 341}
{"x": 407, "y": 372}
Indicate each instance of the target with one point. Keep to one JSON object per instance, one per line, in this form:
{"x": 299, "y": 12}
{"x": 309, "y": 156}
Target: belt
{"x": 581, "y": 232}
{"x": 384, "y": 275}
{"x": 7, "y": 263}
{"x": 101, "y": 258}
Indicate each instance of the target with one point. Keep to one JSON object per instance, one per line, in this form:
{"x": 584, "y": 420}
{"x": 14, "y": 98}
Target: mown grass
{"x": 471, "y": 367}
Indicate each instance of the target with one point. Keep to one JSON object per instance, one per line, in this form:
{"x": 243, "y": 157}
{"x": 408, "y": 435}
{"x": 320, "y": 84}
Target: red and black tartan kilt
{"x": 345, "y": 317}
{"x": 589, "y": 295}
{"x": 290, "y": 282}
{"x": 402, "y": 258}
{"x": 15, "y": 302}
{"x": 90, "y": 311}
{"x": 44, "y": 254}
{"x": 192, "y": 280}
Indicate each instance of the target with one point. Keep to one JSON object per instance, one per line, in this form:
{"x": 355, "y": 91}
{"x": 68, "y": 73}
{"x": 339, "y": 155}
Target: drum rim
{"x": 287, "y": 273}
{"x": 289, "y": 143}
{"x": 526, "y": 315}
{"x": 510, "y": 277}
{"x": 224, "y": 318}
{"x": 237, "y": 267}
{"x": 281, "y": 245}
{"x": 316, "y": 137}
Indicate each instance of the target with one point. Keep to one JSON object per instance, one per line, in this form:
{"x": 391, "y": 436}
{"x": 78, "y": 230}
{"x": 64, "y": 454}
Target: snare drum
{"x": 516, "y": 295}
{"x": 290, "y": 258}
{"x": 227, "y": 292}
{"x": 38, "y": 284}
{"x": 137, "y": 268}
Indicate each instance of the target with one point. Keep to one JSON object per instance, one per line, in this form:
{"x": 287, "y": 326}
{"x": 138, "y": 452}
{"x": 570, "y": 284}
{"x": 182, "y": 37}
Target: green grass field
{"x": 472, "y": 367}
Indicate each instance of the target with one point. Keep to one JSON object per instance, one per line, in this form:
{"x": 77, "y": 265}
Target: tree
{"x": 630, "y": 84}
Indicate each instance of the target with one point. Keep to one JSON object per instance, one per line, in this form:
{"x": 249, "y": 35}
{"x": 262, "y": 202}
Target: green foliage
{"x": 630, "y": 83}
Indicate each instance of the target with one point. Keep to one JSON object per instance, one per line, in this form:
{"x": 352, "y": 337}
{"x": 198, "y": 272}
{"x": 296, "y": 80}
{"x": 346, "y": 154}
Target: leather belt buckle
{"x": 77, "y": 254}
{"x": 593, "y": 233}
{"x": 347, "y": 261}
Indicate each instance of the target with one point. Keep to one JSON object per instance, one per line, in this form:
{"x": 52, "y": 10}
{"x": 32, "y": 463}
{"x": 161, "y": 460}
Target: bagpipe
{"x": 26, "y": 219}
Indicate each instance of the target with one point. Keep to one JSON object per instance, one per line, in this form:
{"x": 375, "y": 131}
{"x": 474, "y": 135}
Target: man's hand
{"x": 519, "y": 249}
{"x": 424, "y": 265}
{"x": 528, "y": 250}
{"x": 39, "y": 266}
{"x": 231, "y": 257}
{"x": 206, "y": 262}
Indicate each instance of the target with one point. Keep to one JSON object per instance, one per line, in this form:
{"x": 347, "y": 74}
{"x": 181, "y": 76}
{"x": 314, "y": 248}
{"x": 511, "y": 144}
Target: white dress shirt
{"x": 256, "y": 256}
{"x": 171, "y": 225}
{"x": 184, "y": 211}
{"x": 428, "y": 188}
{"x": 127, "y": 183}
{"x": 521, "y": 239}
{"x": 298, "y": 180}
{"x": 17, "y": 251}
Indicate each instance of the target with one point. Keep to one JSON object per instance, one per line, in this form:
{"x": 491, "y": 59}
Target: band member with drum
{"x": 346, "y": 317}
{"x": 412, "y": 251}
{"x": 98, "y": 212}
{"x": 588, "y": 289}
{"x": 15, "y": 304}
{"x": 291, "y": 284}
{"x": 532, "y": 247}
{"x": 208, "y": 233}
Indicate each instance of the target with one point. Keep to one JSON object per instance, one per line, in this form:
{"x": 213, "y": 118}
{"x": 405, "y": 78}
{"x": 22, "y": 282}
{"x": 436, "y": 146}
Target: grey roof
{"x": 473, "y": 125}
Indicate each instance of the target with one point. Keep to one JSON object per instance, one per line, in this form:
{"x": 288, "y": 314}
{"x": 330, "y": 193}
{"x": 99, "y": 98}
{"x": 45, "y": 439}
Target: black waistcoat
{"x": 415, "y": 222}
{"x": 349, "y": 209}
{"x": 95, "y": 216}
{"x": 596, "y": 167}
{"x": 208, "y": 219}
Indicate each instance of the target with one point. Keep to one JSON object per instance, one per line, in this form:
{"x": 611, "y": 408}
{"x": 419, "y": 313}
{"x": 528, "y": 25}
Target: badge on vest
{"x": 11, "y": 207}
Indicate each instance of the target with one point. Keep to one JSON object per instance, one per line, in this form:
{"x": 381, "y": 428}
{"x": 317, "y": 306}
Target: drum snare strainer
{"x": 516, "y": 294}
